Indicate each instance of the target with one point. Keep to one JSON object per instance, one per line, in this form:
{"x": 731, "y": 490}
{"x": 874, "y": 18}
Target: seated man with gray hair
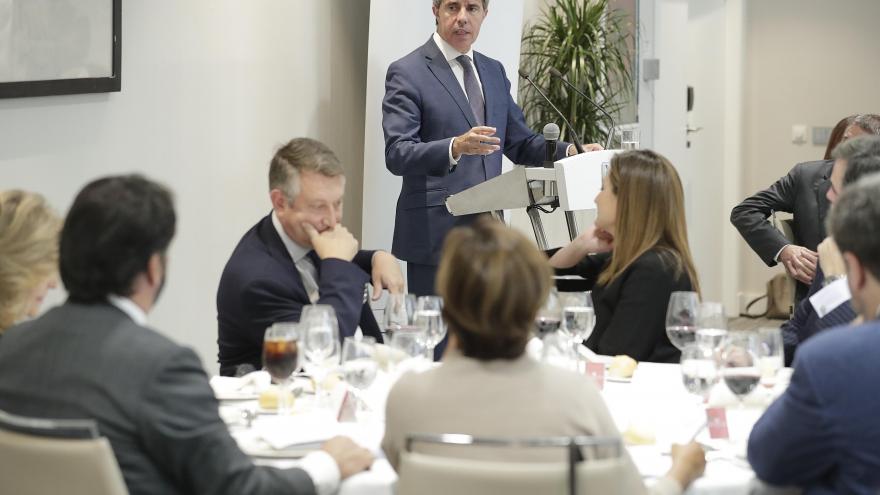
{"x": 822, "y": 434}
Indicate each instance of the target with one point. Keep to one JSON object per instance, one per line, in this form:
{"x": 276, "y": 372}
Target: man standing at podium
{"x": 447, "y": 116}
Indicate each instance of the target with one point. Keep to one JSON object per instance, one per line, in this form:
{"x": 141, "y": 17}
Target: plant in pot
{"x": 591, "y": 46}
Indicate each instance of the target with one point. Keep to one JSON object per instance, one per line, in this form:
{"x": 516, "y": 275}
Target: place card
{"x": 348, "y": 409}
{"x": 596, "y": 371}
{"x": 716, "y": 418}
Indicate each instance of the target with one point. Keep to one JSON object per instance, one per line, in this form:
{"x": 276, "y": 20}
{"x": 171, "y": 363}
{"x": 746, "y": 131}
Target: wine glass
{"x": 578, "y": 316}
{"x": 699, "y": 370}
{"x": 399, "y": 312}
{"x": 770, "y": 354}
{"x": 739, "y": 364}
{"x": 359, "y": 366}
{"x": 429, "y": 317}
{"x": 408, "y": 342}
{"x": 681, "y": 318}
{"x": 711, "y": 325}
{"x": 549, "y": 317}
{"x": 320, "y": 342}
{"x": 558, "y": 351}
{"x": 281, "y": 359}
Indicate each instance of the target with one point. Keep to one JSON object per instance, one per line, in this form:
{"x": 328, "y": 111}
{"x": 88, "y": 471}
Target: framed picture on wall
{"x": 59, "y": 47}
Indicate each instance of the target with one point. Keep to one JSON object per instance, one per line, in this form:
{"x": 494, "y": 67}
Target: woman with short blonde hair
{"x": 635, "y": 256}
{"x": 28, "y": 254}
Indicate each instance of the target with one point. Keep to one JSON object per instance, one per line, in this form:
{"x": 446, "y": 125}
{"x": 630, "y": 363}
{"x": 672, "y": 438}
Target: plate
{"x": 263, "y": 450}
{"x": 236, "y": 395}
{"x": 618, "y": 379}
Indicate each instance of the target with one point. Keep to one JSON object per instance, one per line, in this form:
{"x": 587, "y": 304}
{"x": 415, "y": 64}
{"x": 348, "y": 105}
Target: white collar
{"x": 449, "y": 51}
{"x": 128, "y": 307}
{"x": 296, "y": 251}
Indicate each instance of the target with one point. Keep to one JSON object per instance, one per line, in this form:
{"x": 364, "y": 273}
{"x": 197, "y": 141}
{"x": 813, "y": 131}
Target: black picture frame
{"x": 112, "y": 83}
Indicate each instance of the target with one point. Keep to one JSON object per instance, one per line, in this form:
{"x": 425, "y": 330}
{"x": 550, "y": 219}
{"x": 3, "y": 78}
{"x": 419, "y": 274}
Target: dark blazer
{"x": 149, "y": 396}
{"x": 806, "y": 322}
{"x": 801, "y": 193}
{"x": 823, "y": 433}
{"x": 631, "y": 310}
{"x": 261, "y": 286}
{"x": 423, "y": 109}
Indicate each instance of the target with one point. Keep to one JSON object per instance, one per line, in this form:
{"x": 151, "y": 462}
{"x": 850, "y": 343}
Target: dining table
{"x": 652, "y": 410}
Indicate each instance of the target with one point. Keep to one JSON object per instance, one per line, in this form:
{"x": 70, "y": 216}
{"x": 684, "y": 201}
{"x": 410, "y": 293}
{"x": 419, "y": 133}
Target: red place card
{"x": 716, "y": 418}
{"x": 596, "y": 371}
{"x": 348, "y": 409}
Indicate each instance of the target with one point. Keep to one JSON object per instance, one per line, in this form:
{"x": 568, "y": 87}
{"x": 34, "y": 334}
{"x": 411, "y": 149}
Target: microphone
{"x": 577, "y": 142}
{"x": 555, "y": 73}
{"x": 551, "y": 135}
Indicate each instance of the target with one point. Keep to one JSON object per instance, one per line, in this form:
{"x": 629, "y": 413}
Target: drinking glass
{"x": 549, "y": 317}
{"x": 739, "y": 364}
{"x": 711, "y": 325}
{"x": 410, "y": 341}
{"x": 770, "y": 354}
{"x": 558, "y": 351}
{"x": 681, "y": 318}
{"x": 699, "y": 370}
{"x": 359, "y": 366}
{"x": 399, "y": 312}
{"x": 320, "y": 343}
{"x": 429, "y": 317}
{"x": 281, "y": 359}
{"x": 629, "y": 139}
{"x": 578, "y": 316}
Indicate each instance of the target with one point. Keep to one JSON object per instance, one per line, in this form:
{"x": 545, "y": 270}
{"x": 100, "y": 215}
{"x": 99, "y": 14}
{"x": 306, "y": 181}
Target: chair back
{"x": 39, "y": 456}
{"x": 586, "y": 465}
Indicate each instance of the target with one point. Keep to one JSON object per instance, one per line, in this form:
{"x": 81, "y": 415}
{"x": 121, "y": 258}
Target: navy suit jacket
{"x": 806, "y": 321}
{"x": 423, "y": 109}
{"x": 261, "y": 285}
{"x": 822, "y": 434}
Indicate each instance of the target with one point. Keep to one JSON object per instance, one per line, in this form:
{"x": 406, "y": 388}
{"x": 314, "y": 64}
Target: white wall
{"x": 209, "y": 90}
{"x": 807, "y": 62}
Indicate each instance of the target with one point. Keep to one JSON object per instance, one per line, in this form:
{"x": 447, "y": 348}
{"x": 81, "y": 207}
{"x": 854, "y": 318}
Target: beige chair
{"x": 40, "y": 456}
{"x": 594, "y": 465}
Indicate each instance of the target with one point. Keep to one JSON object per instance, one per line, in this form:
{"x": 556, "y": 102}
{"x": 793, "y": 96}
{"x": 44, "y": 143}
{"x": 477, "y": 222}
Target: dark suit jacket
{"x": 631, "y": 310}
{"x": 801, "y": 193}
{"x": 423, "y": 109}
{"x": 261, "y": 286}
{"x": 149, "y": 396}
{"x": 806, "y": 322}
{"x": 823, "y": 433}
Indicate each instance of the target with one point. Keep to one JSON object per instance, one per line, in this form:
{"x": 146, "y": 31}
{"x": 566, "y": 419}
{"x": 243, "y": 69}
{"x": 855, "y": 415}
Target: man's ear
{"x": 155, "y": 269}
{"x": 855, "y": 272}
{"x": 279, "y": 200}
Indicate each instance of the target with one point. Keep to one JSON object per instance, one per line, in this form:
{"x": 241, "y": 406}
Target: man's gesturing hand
{"x": 479, "y": 140}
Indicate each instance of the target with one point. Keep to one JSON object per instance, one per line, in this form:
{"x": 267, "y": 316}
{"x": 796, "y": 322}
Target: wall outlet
{"x": 745, "y": 298}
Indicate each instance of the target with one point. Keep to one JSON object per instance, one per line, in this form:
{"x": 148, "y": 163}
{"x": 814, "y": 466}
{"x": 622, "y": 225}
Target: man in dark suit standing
{"x": 822, "y": 434}
{"x": 94, "y": 358}
{"x": 447, "y": 112}
{"x": 299, "y": 254}
{"x": 801, "y": 193}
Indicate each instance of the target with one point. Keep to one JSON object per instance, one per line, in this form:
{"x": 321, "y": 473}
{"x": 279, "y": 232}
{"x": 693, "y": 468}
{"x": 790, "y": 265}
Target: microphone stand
{"x": 577, "y": 142}
{"x": 555, "y": 73}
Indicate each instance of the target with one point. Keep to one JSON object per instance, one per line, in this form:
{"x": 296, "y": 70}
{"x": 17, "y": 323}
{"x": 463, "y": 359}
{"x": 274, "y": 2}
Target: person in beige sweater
{"x": 493, "y": 281}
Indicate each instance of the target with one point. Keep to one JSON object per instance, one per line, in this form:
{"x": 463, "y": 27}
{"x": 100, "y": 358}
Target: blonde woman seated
{"x": 493, "y": 281}
{"x": 28, "y": 254}
{"x": 635, "y": 256}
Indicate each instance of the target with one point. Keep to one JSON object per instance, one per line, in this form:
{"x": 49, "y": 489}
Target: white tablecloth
{"x": 653, "y": 402}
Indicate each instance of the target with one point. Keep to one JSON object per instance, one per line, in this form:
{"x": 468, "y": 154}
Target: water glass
{"x": 359, "y": 366}
{"x": 409, "y": 341}
{"x": 578, "y": 315}
{"x": 699, "y": 370}
{"x": 711, "y": 325}
{"x": 681, "y": 318}
{"x": 429, "y": 317}
{"x": 399, "y": 312}
{"x": 281, "y": 359}
{"x": 770, "y": 354}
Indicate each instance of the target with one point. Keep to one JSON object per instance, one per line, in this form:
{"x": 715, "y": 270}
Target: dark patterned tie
{"x": 472, "y": 88}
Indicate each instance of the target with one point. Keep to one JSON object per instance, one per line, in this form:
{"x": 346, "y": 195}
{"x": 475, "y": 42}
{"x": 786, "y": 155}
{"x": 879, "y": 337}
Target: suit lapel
{"x": 438, "y": 65}
{"x": 270, "y": 238}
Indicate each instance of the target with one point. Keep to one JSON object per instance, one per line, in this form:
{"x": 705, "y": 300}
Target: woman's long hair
{"x": 650, "y": 214}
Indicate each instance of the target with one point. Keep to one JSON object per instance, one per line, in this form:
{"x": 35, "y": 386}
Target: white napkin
{"x": 283, "y": 431}
{"x": 251, "y": 384}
